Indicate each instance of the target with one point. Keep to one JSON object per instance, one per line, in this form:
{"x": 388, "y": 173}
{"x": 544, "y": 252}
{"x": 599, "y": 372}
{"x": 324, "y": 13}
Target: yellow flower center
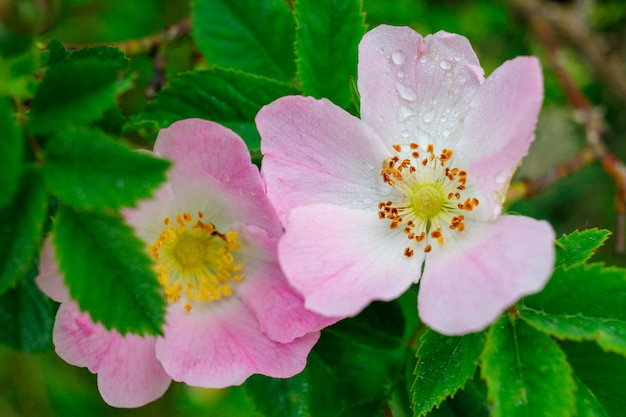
{"x": 432, "y": 196}
{"x": 195, "y": 261}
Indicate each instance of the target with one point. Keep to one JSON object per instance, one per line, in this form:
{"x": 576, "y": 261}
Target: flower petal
{"x": 316, "y": 152}
{"x": 414, "y": 89}
{"x": 128, "y": 373}
{"x": 213, "y": 172}
{"x": 342, "y": 259}
{"x": 278, "y": 307}
{"x": 221, "y": 345}
{"x": 501, "y": 125}
{"x": 49, "y": 280}
{"x": 467, "y": 286}
{"x": 147, "y": 218}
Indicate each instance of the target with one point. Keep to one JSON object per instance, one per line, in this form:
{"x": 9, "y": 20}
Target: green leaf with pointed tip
{"x": 328, "y": 33}
{"x": 582, "y": 302}
{"x": 444, "y": 365}
{"x": 89, "y": 170}
{"x": 526, "y": 372}
{"x": 26, "y": 316}
{"x": 108, "y": 271}
{"x": 587, "y": 404}
{"x": 600, "y": 376}
{"x": 21, "y": 228}
{"x": 11, "y": 153}
{"x": 74, "y": 93}
{"x": 578, "y": 247}
{"x": 231, "y": 98}
{"x": 253, "y": 36}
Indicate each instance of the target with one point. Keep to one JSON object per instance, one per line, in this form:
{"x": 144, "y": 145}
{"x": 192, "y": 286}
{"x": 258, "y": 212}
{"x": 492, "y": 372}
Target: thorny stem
{"x": 551, "y": 22}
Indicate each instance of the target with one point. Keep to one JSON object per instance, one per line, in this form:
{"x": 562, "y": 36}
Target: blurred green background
{"x": 44, "y": 385}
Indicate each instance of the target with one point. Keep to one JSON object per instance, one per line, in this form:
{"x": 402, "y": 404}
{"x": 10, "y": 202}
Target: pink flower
{"x": 413, "y": 190}
{"x": 213, "y": 235}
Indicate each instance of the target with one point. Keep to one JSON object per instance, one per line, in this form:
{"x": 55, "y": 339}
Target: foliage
{"x": 71, "y": 124}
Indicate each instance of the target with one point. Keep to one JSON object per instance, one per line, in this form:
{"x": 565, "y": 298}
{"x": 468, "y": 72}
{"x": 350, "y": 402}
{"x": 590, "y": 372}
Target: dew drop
{"x": 423, "y": 59}
{"x": 445, "y": 64}
{"x": 398, "y": 57}
{"x": 404, "y": 113}
{"x": 428, "y": 116}
{"x": 405, "y": 92}
{"x": 400, "y": 74}
{"x": 405, "y": 133}
{"x": 502, "y": 177}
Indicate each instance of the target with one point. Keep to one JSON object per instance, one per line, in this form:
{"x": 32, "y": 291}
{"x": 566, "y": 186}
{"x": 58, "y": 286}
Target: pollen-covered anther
{"x": 457, "y": 223}
{"x": 195, "y": 261}
{"x": 468, "y": 204}
{"x": 436, "y": 234}
{"x": 430, "y": 195}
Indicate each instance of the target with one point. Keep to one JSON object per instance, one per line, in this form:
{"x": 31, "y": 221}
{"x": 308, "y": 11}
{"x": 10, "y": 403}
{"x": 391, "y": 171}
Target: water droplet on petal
{"x": 428, "y": 116}
{"x": 502, "y": 177}
{"x": 445, "y": 64}
{"x": 400, "y": 74}
{"x": 404, "y": 113}
{"x": 397, "y": 57}
{"x": 405, "y": 92}
{"x": 405, "y": 133}
{"x": 423, "y": 59}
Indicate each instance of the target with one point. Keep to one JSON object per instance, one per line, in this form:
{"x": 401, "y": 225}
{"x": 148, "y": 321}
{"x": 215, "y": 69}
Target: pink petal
{"x": 501, "y": 126}
{"x": 465, "y": 287}
{"x": 342, "y": 259}
{"x": 278, "y": 307}
{"x": 128, "y": 373}
{"x": 415, "y": 89}
{"x": 50, "y": 280}
{"x": 213, "y": 172}
{"x": 316, "y": 152}
{"x": 219, "y": 345}
{"x": 147, "y": 218}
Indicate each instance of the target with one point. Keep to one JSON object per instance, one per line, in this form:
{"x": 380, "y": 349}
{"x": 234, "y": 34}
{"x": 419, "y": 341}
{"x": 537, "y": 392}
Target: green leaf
{"x": 231, "y": 98}
{"x": 600, "y": 377}
{"x": 582, "y": 302}
{"x": 21, "y": 228}
{"x": 380, "y": 325}
{"x": 102, "y": 52}
{"x": 304, "y": 394}
{"x": 578, "y": 247}
{"x": 587, "y": 405}
{"x": 11, "y": 152}
{"x": 26, "y": 317}
{"x": 57, "y": 53}
{"x": 89, "y": 170}
{"x": 526, "y": 372}
{"x": 108, "y": 272}
{"x": 328, "y": 33}
{"x": 74, "y": 93}
{"x": 18, "y": 60}
{"x": 253, "y": 36}
{"x": 444, "y": 365}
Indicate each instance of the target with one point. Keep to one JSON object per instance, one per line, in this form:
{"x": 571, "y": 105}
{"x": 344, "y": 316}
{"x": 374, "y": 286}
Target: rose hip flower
{"x": 412, "y": 191}
{"x": 213, "y": 235}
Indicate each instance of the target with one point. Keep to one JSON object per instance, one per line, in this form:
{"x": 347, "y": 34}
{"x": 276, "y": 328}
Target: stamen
{"x": 433, "y": 196}
{"x": 194, "y": 260}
